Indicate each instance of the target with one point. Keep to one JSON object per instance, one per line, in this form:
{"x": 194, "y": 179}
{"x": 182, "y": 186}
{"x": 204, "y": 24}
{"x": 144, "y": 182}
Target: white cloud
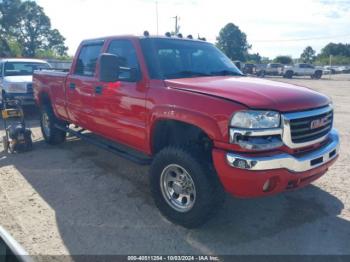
{"x": 262, "y": 21}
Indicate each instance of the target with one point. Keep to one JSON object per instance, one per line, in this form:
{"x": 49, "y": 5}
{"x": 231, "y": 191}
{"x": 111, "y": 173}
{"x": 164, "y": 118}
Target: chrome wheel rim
{"x": 178, "y": 188}
{"x": 46, "y": 124}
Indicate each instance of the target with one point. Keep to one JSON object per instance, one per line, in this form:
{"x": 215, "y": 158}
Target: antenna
{"x": 177, "y": 27}
{"x": 157, "y": 18}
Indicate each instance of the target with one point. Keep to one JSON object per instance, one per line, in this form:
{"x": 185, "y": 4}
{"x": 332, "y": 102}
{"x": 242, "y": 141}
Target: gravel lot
{"x": 78, "y": 199}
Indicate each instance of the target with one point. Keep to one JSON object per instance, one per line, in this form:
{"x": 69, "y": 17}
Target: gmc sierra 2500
{"x": 182, "y": 106}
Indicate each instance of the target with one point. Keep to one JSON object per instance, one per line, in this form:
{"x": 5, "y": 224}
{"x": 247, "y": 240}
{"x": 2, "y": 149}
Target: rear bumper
{"x": 245, "y": 176}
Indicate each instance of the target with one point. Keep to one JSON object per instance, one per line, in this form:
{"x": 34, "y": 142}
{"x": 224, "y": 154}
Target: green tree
{"x": 254, "y": 58}
{"x": 27, "y": 22}
{"x": 8, "y": 22}
{"x": 285, "y": 60}
{"x": 336, "y": 50}
{"x": 233, "y": 42}
{"x": 308, "y": 55}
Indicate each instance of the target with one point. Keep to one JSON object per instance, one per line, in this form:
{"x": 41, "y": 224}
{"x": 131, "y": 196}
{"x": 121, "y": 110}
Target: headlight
{"x": 252, "y": 119}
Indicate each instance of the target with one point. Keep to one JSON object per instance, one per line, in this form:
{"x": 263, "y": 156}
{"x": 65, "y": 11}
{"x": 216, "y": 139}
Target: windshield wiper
{"x": 226, "y": 73}
{"x": 187, "y": 73}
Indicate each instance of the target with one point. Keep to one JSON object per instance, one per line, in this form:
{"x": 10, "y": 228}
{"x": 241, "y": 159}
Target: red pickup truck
{"x": 183, "y": 107}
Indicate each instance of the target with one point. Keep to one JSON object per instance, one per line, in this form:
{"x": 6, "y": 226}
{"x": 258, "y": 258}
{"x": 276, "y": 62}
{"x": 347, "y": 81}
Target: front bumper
{"x": 286, "y": 161}
{"x": 25, "y": 98}
{"x": 246, "y": 176}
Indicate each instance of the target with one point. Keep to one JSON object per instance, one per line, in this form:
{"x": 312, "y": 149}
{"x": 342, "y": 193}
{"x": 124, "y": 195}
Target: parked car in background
{"x": 344, "y": 69}
{"x": 272, "y": 69}
{"x": 302, "y": 70}
{"x": 16, "y": 77}
{"x": 249, "y": 69}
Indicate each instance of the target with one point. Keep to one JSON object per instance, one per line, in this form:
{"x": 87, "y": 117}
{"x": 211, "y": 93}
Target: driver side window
{"x": 129, "y": 65}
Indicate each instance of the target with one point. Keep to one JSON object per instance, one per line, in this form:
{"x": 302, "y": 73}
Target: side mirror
{"x": 109, "y": 68}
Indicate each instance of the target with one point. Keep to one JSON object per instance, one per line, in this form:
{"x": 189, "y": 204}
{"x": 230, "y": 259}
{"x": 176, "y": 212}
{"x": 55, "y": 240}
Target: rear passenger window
{"x": 129, "y": 66}
{"x": 87, "y": 60}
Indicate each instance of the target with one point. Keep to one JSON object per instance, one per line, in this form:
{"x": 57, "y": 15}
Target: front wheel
{"x": 48, "y": 122}
{"x": 185, "y": 189}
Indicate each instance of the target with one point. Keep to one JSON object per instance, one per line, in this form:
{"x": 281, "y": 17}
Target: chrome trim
{"x": 253, "y": 132}
{"x": 287, "y": 161}
{"x": 303, "y": 114}
{"x": 286, "y": 118}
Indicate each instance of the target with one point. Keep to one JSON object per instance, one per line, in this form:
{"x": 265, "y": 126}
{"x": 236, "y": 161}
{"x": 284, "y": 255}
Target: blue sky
{"x": 273, "y": 27}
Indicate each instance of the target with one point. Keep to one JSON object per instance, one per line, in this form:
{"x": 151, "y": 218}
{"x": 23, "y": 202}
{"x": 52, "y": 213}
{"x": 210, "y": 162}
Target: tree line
{"x": 26, "y": 31}
{"x": 233, "y": 42}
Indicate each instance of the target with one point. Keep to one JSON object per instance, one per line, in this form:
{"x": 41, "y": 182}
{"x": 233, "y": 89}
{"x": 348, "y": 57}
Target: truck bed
{"x": 52, "y": 82}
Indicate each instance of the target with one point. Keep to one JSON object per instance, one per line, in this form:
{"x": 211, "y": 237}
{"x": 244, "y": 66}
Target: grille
{"x": 30, "y": 88}
{"x": 302, "y": 131}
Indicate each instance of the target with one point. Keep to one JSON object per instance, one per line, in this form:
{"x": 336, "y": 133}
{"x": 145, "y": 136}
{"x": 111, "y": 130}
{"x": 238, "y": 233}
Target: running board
{"x": 120, "y": 150}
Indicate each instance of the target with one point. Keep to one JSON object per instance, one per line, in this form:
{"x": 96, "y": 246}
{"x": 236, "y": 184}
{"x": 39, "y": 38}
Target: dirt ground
{"x": 78, "y": 199}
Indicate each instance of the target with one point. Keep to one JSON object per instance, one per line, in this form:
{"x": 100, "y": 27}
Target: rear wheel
{"x": 48, "y": 122}
{"x": 317, "y": 75}
{"x": 289, "y": 74}
{"x": 185, "y": 189}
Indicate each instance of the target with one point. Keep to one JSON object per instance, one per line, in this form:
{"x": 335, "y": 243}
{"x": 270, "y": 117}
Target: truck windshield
{"x": 176, "y": 58}
{"x": 23, "y": 68}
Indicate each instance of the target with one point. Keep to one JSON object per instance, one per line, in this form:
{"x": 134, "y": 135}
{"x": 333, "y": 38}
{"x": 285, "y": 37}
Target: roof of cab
{"x": 137, "y": 37}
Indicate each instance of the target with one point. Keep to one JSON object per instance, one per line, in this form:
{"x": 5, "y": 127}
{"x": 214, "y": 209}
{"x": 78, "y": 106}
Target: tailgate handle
{"x": 98, "y": 90}
{"x": 71, "y": 85}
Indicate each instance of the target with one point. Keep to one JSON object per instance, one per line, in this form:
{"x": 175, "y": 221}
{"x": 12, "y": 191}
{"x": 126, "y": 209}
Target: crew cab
{"x": 16, "y": 77}
{"x": 302, "y": 70}
{"x": 181, "y": 106}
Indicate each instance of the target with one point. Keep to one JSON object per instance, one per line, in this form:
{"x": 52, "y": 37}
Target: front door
{"x": 120, "y": 106}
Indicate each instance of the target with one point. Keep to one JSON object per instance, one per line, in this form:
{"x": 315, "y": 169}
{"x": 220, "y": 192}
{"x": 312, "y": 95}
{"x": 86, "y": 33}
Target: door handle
{"x": 98, "y": 90}
{"x": 72, "y": 85}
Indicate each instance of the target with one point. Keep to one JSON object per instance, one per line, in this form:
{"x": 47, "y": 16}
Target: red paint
{"x": 127, "y": 112}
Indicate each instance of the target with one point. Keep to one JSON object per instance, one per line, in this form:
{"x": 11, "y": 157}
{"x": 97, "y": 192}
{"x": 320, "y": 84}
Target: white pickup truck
{"x": 302, "y": 70}
{"x": 16, "y": 77}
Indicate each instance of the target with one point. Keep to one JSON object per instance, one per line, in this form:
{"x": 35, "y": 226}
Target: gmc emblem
{"x": 319, "y": 123}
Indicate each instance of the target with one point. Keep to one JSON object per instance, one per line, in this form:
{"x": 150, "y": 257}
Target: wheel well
{"x": 44, "y": 99}
{"x": 177, "y": 133}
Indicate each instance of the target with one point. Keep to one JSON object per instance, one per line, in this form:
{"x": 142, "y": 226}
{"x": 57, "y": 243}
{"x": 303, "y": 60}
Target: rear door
{"x": 81, "y": 83}
{"x": 310, "y": 69}
{"x": 120, "y": 107}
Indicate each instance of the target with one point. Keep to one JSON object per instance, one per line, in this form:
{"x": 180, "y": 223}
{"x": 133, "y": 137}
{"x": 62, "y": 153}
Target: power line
{"x": 291, "y": 40}
{"x": 300, "y": 39}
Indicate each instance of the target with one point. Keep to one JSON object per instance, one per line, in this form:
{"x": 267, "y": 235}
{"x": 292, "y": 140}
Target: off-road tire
{"x": 209, "y": 192}
{"x": 55, "y": 135}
